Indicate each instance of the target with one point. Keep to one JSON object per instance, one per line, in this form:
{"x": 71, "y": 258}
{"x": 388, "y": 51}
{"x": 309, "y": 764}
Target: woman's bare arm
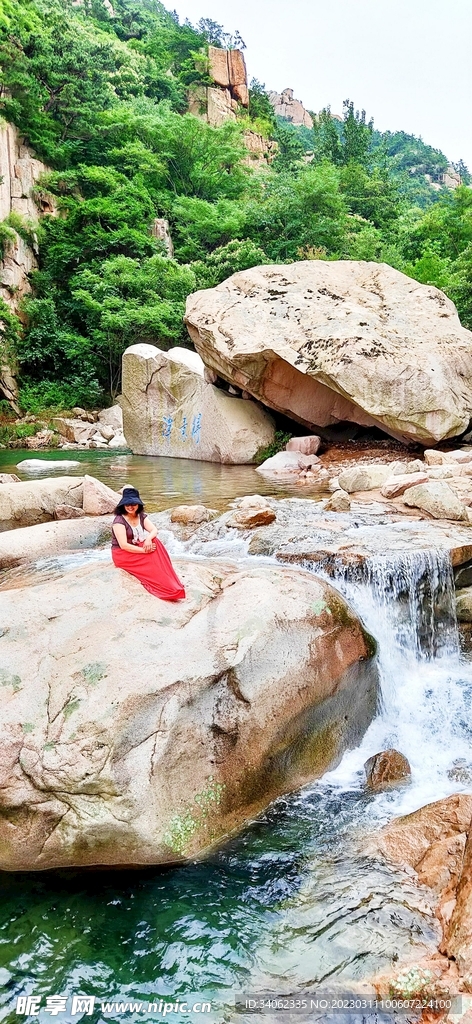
{"x": 120, "y": 533}
{"x": 151, "y": 530}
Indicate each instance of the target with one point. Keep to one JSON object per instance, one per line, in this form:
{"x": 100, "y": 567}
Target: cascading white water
{"x": 407, "y": 603}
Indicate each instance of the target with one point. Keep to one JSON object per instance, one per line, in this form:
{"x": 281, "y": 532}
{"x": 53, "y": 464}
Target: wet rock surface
{"x": 387, "y": 769}
{"x": 305, "y": 532}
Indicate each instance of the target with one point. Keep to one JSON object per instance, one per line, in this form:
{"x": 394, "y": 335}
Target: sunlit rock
{"x": 327, "y": 341}
{"x": 170, "y": 409}
{"x": 134, "y": 731}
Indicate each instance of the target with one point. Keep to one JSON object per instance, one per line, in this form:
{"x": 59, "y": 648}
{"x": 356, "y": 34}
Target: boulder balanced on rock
{"x": 324, "y": 342}
{"x": 170, "y": 409}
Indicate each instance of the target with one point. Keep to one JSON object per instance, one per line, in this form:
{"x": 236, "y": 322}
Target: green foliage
{"x": 127, "y": 299}
{"x": 10, "y": 334}
{"x": 7, "y": 237}
{"x": 226, "y": 260}
{"x": 25, "y": 229}
{"x": 275, "y": 446}
{"x": 261, "y": 111}
{"x": 57, "y": 396}
{"x": 101, "y": 96}
{"x": 357, "y": 135}
{"x": 327, "y": 143}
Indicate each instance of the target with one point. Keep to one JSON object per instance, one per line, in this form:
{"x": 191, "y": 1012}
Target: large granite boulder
{"x": 170, "y": 409}
{"x": 34, "y": 501}
{"x": 324, "y": 342}
{"x": 133, "y": 731}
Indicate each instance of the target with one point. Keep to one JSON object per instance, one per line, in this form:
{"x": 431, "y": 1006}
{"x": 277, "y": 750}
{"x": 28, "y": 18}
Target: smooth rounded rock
{"x": 464, "y": 604}
{"x": 135, "y": 731}
{"x": 189, "y": 515}
{"x": 287, "y": 462}
{"x": 338, "y": 502}
{"x": 98, "y": 499}
{"x": 34, "y": 501}
{"x": 363, "y": 478}
{"x": 437, "y": 499}
{"x": 29, "y": 543}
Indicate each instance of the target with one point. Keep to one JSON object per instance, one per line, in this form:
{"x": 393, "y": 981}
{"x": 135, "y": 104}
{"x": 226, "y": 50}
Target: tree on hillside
{"x": 356, "y": 134}
{"x": 326, "y": 137}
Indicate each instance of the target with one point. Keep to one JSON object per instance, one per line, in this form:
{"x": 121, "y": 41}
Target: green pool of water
{"x": 285, "y": 905}
{"x": 161, "y": 482}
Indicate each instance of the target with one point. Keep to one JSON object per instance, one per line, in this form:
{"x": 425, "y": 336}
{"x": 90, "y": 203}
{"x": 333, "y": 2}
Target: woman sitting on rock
{"x": 136, "y": 548}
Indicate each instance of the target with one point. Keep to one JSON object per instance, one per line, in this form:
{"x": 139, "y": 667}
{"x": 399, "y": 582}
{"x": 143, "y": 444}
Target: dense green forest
{"x": 100, "y": 94}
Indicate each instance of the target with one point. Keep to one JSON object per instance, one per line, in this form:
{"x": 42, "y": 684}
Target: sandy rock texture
{"x": 100, "y": 764}
{"x": 324, "y": 342}
{"x": 438, "y": 499}
{"x": 98, "y": 499}
{"x": 170, "y": 409}
{"x": 308, "y": 445}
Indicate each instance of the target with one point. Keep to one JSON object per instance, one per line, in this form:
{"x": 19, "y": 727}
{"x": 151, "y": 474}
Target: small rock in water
{"x": 386, "y": 769}
{"x": 464, "y": 604}
{"x": 287, "y": 462}
{"x": 461, "y": 771}
{"x": 42, "y": 465}
{"x": 364, "y": 478}
{"x": 249, "y": 518}
{"x": 68, "y": 512}
{"x": 9, "y": 478}
{"x": 191, "y": 514}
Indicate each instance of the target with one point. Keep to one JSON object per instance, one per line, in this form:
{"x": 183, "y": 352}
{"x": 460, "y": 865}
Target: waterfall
{"x": 407, "y": 602}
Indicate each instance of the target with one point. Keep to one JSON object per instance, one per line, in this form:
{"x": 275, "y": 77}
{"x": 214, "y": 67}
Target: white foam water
{"x": 407, "y": 603}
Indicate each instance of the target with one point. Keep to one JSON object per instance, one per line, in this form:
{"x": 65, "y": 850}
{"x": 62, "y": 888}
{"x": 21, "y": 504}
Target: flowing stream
{"x": 294, "y": 900}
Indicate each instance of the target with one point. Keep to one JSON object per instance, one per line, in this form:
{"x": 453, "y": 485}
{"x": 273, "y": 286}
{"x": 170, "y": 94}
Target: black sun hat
{"x": 130, "y": 496}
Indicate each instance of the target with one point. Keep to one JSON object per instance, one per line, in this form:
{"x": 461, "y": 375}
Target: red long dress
{"x": 154, "y": 570}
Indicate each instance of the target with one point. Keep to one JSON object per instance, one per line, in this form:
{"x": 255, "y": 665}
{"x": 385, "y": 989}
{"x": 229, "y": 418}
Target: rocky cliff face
{"x": 19, "y": 172}
{"x": 219, "y": 103}
{"x": 285, "y": 105}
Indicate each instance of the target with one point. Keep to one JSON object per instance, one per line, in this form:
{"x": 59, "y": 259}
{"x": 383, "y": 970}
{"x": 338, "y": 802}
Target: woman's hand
{"x": 148, "y": 545}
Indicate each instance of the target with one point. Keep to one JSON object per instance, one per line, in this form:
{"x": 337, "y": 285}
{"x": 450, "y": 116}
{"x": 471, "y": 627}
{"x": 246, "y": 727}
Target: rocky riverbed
{"x": 403, "y": 559}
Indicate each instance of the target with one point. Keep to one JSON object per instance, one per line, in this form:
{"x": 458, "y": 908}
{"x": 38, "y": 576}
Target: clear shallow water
{"x": 161, "y": 482}
{"x": 292, "y": 901}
